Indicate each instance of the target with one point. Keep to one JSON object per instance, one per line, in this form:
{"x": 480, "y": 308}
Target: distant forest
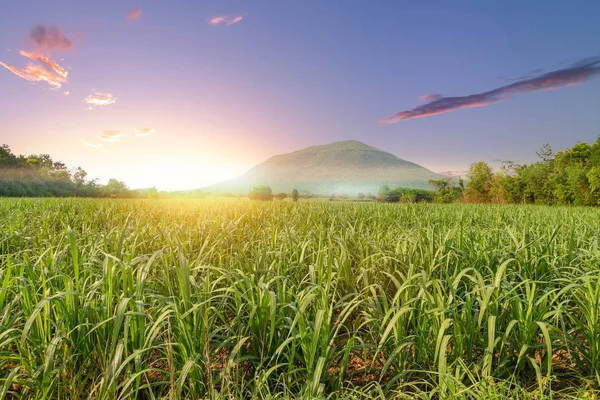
{"x": 568, "y": 177}
{"x": 37, "y": 175}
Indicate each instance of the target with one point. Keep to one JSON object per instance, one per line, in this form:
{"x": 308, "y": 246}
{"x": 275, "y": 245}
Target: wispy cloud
{"x": 99, "y": 99}
{"x": 135, "y": 13}
{"x": 66, "y": 93}
{"x": 50, "y": 39}
{"x": 111, "y": 136}
{"x": 144, "y": 132}
{"x": 225, "y": 20}
{"x": 43, "y": 70}
{"x": 573, "y": 75}
{"x": 94, "y": 145}
{"x": 430, "y": 97}
{"x": 531, "y": 74}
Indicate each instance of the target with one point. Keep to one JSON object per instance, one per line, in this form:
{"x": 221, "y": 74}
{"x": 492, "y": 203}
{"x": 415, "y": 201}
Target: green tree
{"x": 570, "y": 177}
{"x": 408, "y": 198}
{"x": 545, "y": 153}
{"x": 79, "y": 176}
{"x": 498, "y": 191}
{"x": 115, "y": 188}
{"x": 383, "y": 194}
{"x": 594, "y": 160}
{"x": 295, "y": 195}
{"x": 7, "y": 158}
{"x": 446, "y": 191}
{"x": 479, "y": 181}
{"x": 261, "y": 192}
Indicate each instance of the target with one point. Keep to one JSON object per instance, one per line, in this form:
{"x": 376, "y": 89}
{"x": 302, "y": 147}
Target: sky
{"x": 183, "y": 94}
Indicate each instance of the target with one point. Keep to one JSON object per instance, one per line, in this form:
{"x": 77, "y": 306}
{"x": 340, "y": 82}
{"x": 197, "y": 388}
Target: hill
{"x": 340, "y": 167}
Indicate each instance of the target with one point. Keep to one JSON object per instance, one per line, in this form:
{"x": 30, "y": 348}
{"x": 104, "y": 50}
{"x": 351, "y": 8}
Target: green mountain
{"x": 341, "y": 167}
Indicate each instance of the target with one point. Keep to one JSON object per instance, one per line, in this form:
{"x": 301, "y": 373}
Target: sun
{"x": 181, "y": 175}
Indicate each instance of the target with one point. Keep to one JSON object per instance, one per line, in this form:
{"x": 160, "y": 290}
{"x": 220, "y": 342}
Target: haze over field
{"x": 182, "y": 95}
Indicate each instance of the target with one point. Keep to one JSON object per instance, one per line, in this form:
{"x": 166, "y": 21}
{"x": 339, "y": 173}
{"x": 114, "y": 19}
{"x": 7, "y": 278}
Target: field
{"x": 171, "y": 299}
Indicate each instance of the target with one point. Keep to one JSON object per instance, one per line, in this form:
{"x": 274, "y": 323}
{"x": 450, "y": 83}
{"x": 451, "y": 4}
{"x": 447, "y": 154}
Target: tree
{"x": 261, "y": 192}
{"x": 594, "y": 160}
{"x": 545, "y": 153}
{"x": 383, "y": 194}
{"x": 361, "y": 196}
{"x": 479, "y": 180}
{"x": 7, "y": 158}
{"x": 408, "y": 198}
{"x": 295, "y": 195}
{"x": 461, "y": 184}
{"x": 281, "y": 196}
{"x": 79, "y": 176}
{"x": 446, "y": 191}
{"x": 498, "y": 192}
{"x": 115, "y": 188}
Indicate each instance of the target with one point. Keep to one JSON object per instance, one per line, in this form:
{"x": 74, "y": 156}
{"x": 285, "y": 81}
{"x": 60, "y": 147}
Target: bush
{"x": 261, "y": 192}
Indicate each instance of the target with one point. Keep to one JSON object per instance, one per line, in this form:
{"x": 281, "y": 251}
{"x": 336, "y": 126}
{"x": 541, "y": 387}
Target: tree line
{"x": 568, "y": 177}
{"x": 265, "y": 193}
{"x": 38, "y": 175}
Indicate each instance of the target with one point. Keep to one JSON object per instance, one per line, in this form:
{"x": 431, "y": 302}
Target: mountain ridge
{"x": 348, "y": 166}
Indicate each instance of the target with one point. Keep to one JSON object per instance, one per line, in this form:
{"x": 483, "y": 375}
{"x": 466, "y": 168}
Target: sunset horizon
{"x": 182, "y": 98}
{"x": 276, "y": 200}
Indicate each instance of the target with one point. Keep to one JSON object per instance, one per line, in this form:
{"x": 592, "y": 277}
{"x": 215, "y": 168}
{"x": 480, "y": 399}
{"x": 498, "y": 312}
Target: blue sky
{"x": 223, "y": 97}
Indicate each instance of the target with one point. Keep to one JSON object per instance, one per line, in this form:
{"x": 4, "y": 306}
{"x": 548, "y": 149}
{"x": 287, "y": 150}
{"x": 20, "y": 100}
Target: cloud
{"x": 430, "y": 97}
{"x": 135, "y": 13}
{"x": 144, "y": 132}
{"x": 99, "y": 99}
{"x": 109, "y": 139}
{"x": 110, "y": 136}
{"x": 98, "y": 146}
{"x": 50, "y": 39}
{"x": 225, "y": 20}
{"x": 94, "y": 145}
{"x": 43, "y": 70}
{"x": 530, "y": 74}
{"x": 571, "y": 76}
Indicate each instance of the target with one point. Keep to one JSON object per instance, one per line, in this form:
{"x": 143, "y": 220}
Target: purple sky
{"x": 184, "y": 94}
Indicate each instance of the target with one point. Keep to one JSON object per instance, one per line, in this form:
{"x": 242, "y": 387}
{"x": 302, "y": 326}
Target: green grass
{"x": 237, "y": 299}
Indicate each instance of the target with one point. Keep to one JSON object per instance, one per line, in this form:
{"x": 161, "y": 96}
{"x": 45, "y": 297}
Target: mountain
{"x": 340, "y": 167}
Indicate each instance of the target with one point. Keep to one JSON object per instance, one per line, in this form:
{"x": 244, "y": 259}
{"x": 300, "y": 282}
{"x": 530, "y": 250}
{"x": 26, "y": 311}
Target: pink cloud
{"x": 225, "y": 20}
{"x": 571, "y": 76}
{"x": 430, "y": 97}
{"x": 100, "y": 99}
{"x": 43, "y": 70}
{"x": 135, "y": 13}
